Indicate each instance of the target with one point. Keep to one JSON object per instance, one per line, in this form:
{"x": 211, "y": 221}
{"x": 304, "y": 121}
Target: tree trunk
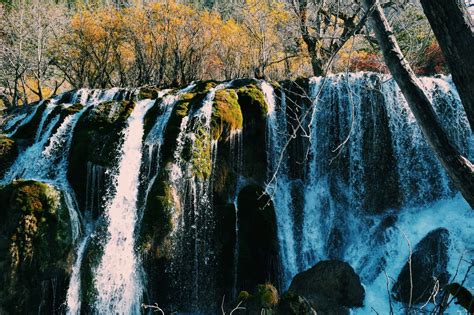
{"x": 454, "y": 30}
{"x": 460, "y": 170}
{"x": 316, "y": 62}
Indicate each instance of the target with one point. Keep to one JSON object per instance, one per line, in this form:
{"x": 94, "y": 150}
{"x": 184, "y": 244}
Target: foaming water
{"x": 412, "y": 225}
{"x": 116, "y": 279}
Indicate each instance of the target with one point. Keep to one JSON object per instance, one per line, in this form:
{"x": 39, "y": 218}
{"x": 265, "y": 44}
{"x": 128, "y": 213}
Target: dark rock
{"x": 429, "y": 261}
{"x": 292, "y": 304}
{"x": 463, "y": 296}
{"x": 66, "y": 97}
{"x": 258, "y": 244}
{"x": 330, "y": 286}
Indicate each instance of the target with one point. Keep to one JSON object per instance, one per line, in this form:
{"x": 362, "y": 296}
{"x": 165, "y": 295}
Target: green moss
{"x": 34, "y": 222}
{"x": 243, "y": 296}
{"x": 8, "y": 153}
{"x": 148, "y": 92}
{"x": 226, "y": 114}
{"x": 204, "y": 86}
{"x": 201, "y": 154}
{"x": 251, "y": 99}
{"x": 267, "y": 295}
{"x": 33, "y": 197}
{"x": 157, "y": 219}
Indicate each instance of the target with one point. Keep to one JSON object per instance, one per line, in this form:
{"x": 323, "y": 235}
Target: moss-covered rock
{"x": 252, "y": 99}
{"x": 150, "y": 117}
{"x": 73, "y": 109}
{"x": 148, "y": 92}
{"x": 204, "y": 86}
{"x": 8, "y": 153}
{"x": 180, "y": 110}
{"x": 158, "y": 223}
{"x": 254, "y": 111}
{"x": 427, "y": 268}
{"x": 226, "y": 114}
{"x": 35, "y": 247}
{"x": 91, "y": 260}
{"x": 96, "y": 139}
{"x": 331, "y": 286}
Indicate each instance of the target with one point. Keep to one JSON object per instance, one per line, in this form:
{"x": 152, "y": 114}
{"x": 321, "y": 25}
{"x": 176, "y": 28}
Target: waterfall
{"x": 335, "y": 225}
{"x": 23, "y": 120}
{"x": 194, "y": 257}
{"x": 278, "y": 184}
{"x": 368, "y": 185}
{"x": 237, "y": 150}
{"x": 116, "y": 279}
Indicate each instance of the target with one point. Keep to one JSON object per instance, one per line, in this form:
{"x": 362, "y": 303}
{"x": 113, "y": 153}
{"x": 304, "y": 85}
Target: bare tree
{"x": 325, "y": 27}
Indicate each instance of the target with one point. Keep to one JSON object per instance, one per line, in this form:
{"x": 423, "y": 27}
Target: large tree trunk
{"x": 460, "y": 170}
{"x": 454, "y": 30}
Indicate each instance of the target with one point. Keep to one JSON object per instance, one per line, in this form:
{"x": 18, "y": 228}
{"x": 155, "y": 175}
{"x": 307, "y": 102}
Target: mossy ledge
{"x": 251, "y": 99}
{"x": 35, "y": 247}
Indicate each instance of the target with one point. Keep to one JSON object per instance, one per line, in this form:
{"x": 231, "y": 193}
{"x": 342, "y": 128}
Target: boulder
{"x": 330, "y": 286}
{"x": 429, "y": 261}
{"x": 293, "y": 304}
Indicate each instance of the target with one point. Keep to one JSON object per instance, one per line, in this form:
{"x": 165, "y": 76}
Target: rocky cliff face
{"x": 183, "y": 196}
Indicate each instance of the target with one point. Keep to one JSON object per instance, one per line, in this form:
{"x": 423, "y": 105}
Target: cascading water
{"x": 278, "y": 184}
{"x": 116, "y": 279}
{"x": 21, "y": 121}
{"x": 369, "y": 185}
{"x": 335, "y": 225}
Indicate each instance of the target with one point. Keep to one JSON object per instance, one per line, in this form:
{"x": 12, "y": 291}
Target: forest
{"x": 53, "y": 46}
{"x": 272, "y": 157}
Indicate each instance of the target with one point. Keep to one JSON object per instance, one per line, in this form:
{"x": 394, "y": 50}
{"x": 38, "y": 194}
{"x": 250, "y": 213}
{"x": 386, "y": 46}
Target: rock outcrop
{"x": 429, "y": 264}
{"x": 330, "y": 286}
